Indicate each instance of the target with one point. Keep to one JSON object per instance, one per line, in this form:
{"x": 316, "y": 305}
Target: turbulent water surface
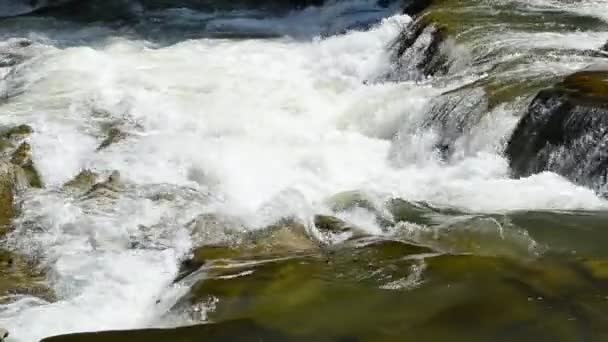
{"x": 258, "y": 117}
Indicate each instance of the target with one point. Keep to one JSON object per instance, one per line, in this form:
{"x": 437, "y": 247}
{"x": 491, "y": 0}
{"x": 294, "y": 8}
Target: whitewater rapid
{"x": 257, "y": 129}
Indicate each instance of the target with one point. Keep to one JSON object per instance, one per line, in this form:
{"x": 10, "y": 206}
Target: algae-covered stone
{"x": 17, "y": 132}
{"x": 113, "y": 136}
{"x": 83, "y": 181}
{"x": 21, "y": 276}
{"x": 284, "y": 238}
{"x": 431, "y": 296}
{"x": 349, "y": 200}
{"x": 110, "y": 188}
{"x": 7, "y": 197}
{"x": 331, "y": 224}
{"x": 22, "y": 157}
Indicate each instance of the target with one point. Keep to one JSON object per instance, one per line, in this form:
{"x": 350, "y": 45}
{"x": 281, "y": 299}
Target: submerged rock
{"x": 113, "y": 136}
{"x": 21, "y": 276}
{"x": 22, "y": 157}
{"x": 83, "y": 181}
{"x": 409, "y": 289}
{"x": 420, "y": 51}
{"x": 455, "y": 113}
{"x": 564, "y": 131}
{"x": 235, "y": 331}
{"x": 284, "y": 238}
{"x": 109, "y": 188}
{"x": 7, "y": 197}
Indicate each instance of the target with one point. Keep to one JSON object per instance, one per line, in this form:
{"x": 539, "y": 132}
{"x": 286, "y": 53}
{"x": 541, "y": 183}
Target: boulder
{"x": 22, "y": 157}
{"x": 113, "y": 136}
{"x": 284, "y": 238}
{"x": 420, "y": 51}
{"x": 82, "y": 182}
{"x": 7, "y": 197}
{"x": 110, "y": 188}
{"x": 410, "y": 290}
{"x": 564, "y": 130}
{"x": 21, "y": 276}
{"x": 3, "y": 334}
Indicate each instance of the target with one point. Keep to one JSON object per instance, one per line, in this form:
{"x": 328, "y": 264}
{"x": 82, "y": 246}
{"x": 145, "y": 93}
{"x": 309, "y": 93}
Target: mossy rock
{"x": 232, "y": 331}
{"x": 110, "y": 188}
{"x": 21, "y": 276}
{"x": 580, "y": 233}
{"x": 532, "y": 299}
{"x": 481, "y": 235}
{"x": 587, "y": 85}
{"x": 83, "y": 181}
{"x": 113, "y": 135}
{"x": 331, "y": 225}
{"x": 7, "y": 197}
{"x": 349, "y": 200}
{"x": 284, "y": 238}
{"x": 22, "y": 157}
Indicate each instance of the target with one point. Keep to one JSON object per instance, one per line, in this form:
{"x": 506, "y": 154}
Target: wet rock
{"x": 564, "y": 131}
{"x": 349, "y": 200}
{"x": 331, "y": 225}
{"x": 7, "y": 197}
{"x": 114, "y": 135}
{"x": 92, "y": 10}
{"x": 420, "y": 51}
{"x": 109, "y": 188}
{"x": 415, "y": 7}
{"x": 237, "y": 331}
{"x": 83, "y": 181}
{"x": 604, "y": 48}
{"x": 411, "y": 290}
{"x": 22, "y": 157}
{"x": 10, "y": 137}
{"x": 3, "y": 334}
{"x": 214, "y": 229}
{"x": 286, "y": 237}
{"x": 16, "y": 133}
{"x": 404, "y": 211}
{"x": 21, "y": 276}
{"x": 453, "y": 114}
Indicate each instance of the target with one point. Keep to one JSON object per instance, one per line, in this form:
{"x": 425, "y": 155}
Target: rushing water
{"x": 252, "y": 117}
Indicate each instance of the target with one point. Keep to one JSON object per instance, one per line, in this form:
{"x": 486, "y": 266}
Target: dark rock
{"x": 94, "y": 10}
{"x": 238, "y": 331}
{"x": 605, "y": 47}
{"x": 454, "y": 114}
{"x": 419, "y": 51}
{"x": 565, "y": 130}
{"x": 415, "y": 7}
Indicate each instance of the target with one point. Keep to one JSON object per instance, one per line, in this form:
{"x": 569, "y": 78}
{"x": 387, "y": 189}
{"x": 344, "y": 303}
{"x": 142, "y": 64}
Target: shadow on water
{"x": 166, "y": 23}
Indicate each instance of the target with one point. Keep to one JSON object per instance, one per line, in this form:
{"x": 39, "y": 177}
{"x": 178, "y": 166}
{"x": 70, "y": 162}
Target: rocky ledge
{"x": 565, "y": 130}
